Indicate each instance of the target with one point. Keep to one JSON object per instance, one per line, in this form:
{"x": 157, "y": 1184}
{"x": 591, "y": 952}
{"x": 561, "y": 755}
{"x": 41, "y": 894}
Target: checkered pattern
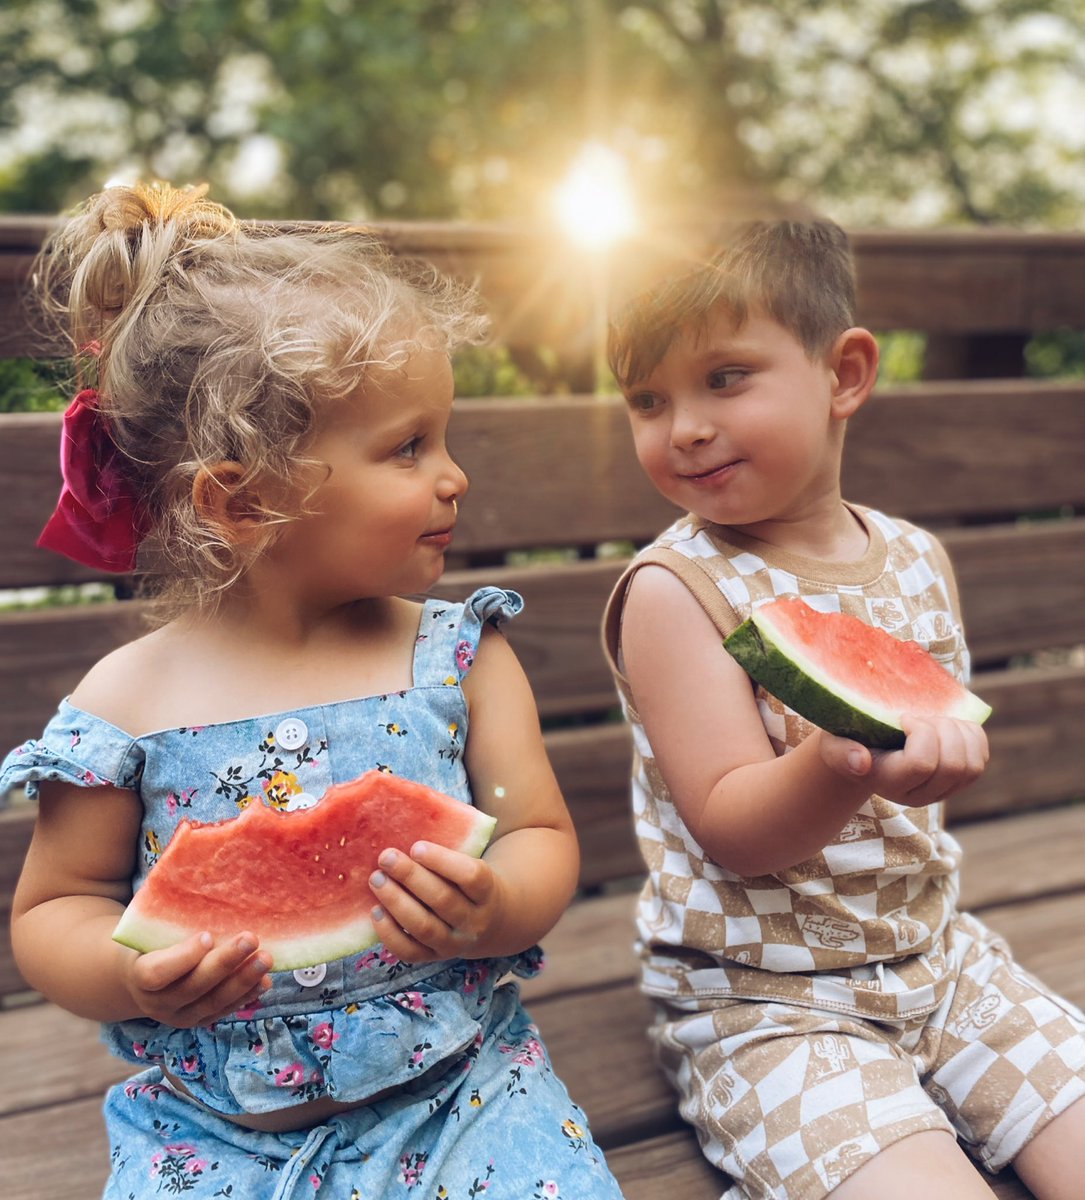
{"x": 860, "y": 926}
{"x": 790, "y": 1101}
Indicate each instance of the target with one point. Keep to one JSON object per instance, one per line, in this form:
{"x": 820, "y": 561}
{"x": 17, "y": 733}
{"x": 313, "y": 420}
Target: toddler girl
{"x": 267, "y": 431}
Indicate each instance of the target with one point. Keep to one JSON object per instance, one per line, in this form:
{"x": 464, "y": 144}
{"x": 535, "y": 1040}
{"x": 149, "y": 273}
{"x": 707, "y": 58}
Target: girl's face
{"x": 736, "y": 426}
{"x": 381, "y": 520}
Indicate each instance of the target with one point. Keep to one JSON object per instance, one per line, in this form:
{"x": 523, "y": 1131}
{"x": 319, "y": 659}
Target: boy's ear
{"x": 223, "y": 501}
{"x": 854, "y": 359}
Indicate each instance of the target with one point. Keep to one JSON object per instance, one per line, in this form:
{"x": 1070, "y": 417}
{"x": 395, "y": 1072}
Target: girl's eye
{"x": 642, "y": 402}
{"x": 724, "y": 377}
{"x": 409, "y": 449}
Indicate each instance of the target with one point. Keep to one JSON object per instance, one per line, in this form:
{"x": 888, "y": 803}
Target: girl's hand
{"x": 435, "y": 903}
{"x": 196, "y": 982}
{"x": 941, "y": 756}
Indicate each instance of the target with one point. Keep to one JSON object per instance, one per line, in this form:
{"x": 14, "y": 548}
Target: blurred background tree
{"x": 879, "y": 112}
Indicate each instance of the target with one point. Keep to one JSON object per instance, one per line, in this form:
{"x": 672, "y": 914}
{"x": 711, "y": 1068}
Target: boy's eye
{"x": 724, "y": 377}
{"x": 642, "y": 402}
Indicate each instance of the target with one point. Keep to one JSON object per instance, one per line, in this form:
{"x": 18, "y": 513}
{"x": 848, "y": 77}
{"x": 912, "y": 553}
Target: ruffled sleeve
{"x": 75, "y": 747}
{"x": 450, "y": 633}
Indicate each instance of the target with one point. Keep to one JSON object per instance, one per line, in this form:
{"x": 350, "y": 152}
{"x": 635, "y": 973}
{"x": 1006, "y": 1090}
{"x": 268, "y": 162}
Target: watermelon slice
{"x": 845, "y": 676}
{"x": 299, "y": 880}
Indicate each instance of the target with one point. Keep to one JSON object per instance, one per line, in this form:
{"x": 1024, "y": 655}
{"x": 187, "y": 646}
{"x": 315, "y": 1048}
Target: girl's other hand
{"x": 941, "y": 756}
{"x": 196, "y": 982}
{"x": 435, "y": 903}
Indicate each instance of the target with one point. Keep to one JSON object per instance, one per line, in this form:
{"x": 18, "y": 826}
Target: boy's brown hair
{"x": 800, "y": 273}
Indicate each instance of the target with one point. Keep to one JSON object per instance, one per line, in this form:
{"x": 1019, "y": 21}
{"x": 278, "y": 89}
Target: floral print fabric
{"x": 496, "y": 1124}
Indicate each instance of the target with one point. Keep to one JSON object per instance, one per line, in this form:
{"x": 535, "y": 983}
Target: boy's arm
{"x": 751, "y": 811}
{"x": 524, "y": 881}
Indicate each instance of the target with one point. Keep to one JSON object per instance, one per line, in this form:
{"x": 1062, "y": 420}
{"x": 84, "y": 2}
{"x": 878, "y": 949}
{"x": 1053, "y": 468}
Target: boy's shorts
{"x": 789, "y": 1101}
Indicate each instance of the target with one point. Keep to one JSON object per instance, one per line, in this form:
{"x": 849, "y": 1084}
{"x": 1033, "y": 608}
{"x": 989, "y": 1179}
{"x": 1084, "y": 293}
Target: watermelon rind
{"x": 287, "y": 954}
{"x": 782, "y": 669}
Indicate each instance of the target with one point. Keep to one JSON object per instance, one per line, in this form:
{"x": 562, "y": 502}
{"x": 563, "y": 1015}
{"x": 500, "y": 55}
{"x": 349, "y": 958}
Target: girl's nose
{"x": 455, "y": 482}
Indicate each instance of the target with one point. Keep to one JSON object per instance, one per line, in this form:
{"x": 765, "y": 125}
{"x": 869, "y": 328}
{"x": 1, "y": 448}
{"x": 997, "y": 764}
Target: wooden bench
{"x": 986, "y": 461}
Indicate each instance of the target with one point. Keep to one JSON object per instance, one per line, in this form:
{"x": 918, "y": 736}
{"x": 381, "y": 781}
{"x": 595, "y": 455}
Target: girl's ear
{"x": 222, "y": 500}
{"x": 854, "y": 360}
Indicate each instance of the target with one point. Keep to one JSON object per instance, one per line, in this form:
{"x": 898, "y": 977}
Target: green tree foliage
{"x": 879, "y": 111}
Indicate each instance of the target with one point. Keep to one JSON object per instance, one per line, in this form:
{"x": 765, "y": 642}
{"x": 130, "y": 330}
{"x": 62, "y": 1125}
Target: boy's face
{"x": 734, "y": 424}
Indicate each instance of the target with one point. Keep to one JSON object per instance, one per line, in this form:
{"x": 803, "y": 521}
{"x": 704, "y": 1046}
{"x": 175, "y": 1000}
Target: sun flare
{"x": 594, "y": 203}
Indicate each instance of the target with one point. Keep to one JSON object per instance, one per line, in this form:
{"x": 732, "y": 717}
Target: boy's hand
{"x": 196, "y": 982}
{"x": 435, "y": 903}
{"x": 941, "y": 756}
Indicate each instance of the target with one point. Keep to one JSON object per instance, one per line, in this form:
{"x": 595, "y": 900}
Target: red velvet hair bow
{"x": 97, "y": 521}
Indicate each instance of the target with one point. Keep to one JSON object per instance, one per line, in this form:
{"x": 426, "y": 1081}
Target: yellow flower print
{"x": 574, "y": 1133}
{"x": 280, "y": 787}
{"x": 450, "y": 681}
{"x": 476, "y": 1099}
{"x": 245, "y": 801}
{"x": 151, "y": 843}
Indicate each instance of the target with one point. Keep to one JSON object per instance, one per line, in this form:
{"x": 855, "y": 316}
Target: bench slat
{"x": 931, "y": 452}
{"x": 539, "y": 292}
{"x": 1020, "y": 589}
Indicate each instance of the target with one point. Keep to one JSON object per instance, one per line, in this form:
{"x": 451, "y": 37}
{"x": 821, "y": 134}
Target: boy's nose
{"x": 690, "y": 426}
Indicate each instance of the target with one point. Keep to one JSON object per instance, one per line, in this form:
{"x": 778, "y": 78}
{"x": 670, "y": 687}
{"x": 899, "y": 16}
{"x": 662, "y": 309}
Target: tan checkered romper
{"x": 810, "y": 1019}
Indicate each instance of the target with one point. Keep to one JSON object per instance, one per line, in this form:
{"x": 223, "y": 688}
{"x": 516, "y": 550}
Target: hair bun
{"x": 128, "y": 209}
{"x": 116, "y": 247}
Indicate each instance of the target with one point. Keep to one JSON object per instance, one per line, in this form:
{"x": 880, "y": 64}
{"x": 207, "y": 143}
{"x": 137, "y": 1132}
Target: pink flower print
{"x": 76, "y": 739}
{"x": 89, "y": 778}
{"x": 139, "y": 1049}
{"x": 315, "y": 1181}
{"x": 550, "y": 1190}
{"x": 530, "y": 1054}
{"x": 411, "y": 1168}
{"x": 184, "y": 800}
{"x": 465, "y": 656}
{"x": 412, "y": 1002}
{"x": 324, "y": 1036}
{"x": 291, "y": 1076}
{"x": 249, "y": 1011}
{"x": 189, "y": 1064}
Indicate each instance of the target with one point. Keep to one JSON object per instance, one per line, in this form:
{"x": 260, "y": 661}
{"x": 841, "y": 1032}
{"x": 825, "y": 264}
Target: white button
{"x": 300, "y": 800}
{"x": 291, "y": 733}
{"x": 311, "y": 976}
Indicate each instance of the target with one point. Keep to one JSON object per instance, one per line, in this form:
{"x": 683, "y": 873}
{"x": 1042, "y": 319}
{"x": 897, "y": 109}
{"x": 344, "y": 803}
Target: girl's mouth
{"x": 442, "y": 538}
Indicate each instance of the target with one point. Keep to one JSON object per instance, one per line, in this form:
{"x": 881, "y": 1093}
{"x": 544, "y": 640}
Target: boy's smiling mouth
{"x": 710, "y": 473}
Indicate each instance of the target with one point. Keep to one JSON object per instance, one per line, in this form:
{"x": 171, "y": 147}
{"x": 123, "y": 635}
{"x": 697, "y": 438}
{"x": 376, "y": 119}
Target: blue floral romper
{"x": 476, "y": 1107}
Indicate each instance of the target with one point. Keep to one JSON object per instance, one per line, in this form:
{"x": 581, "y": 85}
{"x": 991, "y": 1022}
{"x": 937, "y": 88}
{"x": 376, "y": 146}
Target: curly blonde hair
{"x": 212, "y": 340}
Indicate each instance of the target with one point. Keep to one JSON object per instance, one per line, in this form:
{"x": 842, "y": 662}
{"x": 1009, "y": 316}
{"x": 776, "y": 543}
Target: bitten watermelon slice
{"x": 845, "y": 676}
{"x": 299, "y": 880}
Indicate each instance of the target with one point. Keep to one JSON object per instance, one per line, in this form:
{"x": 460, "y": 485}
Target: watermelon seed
{"x": 316, "y": 858}
{"x": 343, "y": 840}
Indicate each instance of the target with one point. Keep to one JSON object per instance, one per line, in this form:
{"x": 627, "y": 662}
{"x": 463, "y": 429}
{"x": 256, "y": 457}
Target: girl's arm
{"x": 73, "y": 887}
{"x": 753, "y": 812}
{"x": 456, "y": 906}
